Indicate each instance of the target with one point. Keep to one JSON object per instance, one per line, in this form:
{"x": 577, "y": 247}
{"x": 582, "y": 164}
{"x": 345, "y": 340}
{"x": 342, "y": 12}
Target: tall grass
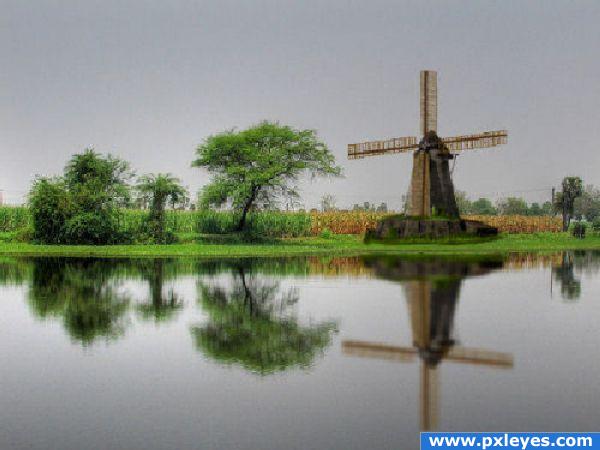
{"x": 275, "y": 224}
{"x": 268, "y": 223}
{"x": 14, "y": 218}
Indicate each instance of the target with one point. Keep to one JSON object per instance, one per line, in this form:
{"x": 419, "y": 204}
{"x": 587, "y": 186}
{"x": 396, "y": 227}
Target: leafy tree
{"x": 82, "y": 206}
{"x": 259, "y": 163}
{"x": 535, "y": 210}
{"x": 572, "y": 187}
{"x": 483, "y": 206}
{"x": 588, "y": 205}
{"x": 547, "y": 209}
{"x": 160, "y": 188}
{"x": 512, "y": 206}
{"x": 465, "y": 206}
{"x": 98, "y": 182}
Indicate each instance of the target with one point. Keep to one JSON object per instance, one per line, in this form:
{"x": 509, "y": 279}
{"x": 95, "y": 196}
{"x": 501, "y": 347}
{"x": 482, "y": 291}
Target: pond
{"x": 296, "y": 353}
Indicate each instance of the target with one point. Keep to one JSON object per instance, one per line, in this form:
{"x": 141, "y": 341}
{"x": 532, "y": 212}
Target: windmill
{"x": 431, "y": 308}
{"x": 431, "y": 183}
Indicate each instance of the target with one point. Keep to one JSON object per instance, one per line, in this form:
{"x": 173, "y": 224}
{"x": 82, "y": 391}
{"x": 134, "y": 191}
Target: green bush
{"x": 51, "y": 208}
{"x": 93, "y": 228}
{"x": 579, "y": 230}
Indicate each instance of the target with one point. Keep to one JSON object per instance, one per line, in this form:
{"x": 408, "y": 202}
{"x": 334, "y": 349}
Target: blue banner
{"x": 522, "y": 441}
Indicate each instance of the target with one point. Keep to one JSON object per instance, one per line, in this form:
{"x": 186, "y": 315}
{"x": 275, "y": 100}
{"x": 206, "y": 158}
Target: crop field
{"x": 281, "y": 224}
{"x": 521, "y": 224}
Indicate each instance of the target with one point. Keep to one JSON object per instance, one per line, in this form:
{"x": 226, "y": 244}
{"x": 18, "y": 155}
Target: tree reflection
{"x": 570, "y": 287}
{"x": 82, "y": 293}
{"x": 249, "y": 324}
{"x": 161, "y": 307}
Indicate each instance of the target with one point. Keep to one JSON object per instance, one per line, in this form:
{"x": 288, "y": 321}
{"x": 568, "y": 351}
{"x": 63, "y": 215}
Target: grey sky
{"x": 148, "y": 80}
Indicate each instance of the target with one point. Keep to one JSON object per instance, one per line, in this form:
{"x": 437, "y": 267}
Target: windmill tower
{"x": 431, "y": 186}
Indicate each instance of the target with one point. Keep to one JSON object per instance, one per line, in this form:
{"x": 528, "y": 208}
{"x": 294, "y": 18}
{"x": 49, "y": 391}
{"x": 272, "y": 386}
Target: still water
{"x": 300, "y": 353}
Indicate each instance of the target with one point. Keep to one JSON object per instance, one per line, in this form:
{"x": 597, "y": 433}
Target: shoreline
{"x": 340, "y": 245}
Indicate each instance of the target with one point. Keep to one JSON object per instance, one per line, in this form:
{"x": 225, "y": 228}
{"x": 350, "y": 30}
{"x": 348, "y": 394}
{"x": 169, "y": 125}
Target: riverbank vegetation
{"x": 231, "y": 246}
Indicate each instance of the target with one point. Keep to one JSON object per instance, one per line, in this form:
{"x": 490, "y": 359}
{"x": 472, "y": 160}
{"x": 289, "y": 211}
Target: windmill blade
{"x": 472, "y": 141}
{"x": 365, "y": 349}
{"x": 372, "y": 148}
{"x": 428, "y": 97}
{"x": 461, "y": 355}
{"x": 480, "y": 357}
{"x": 430, "y": 397}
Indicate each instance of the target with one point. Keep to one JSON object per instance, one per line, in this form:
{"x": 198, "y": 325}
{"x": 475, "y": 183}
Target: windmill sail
{"x": 428, "y": 101}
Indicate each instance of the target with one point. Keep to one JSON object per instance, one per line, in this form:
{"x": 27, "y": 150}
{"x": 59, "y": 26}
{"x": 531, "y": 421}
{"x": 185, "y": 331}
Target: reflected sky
{"x": 359, "y": 352}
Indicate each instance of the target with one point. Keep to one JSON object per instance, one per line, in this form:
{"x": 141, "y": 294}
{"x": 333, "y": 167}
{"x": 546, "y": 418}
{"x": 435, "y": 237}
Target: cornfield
{"x": 521, "y": 224}
{"x": 352, "y": 222}
{"x": 14, "y": 218}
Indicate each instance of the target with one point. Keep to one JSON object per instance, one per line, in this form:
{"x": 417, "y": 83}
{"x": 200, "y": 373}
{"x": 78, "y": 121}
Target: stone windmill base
{"x": 433, "y": 210}
{"x": 403, "y": 227}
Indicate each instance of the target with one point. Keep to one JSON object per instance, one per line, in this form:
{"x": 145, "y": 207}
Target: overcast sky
{"x": 149, "y": 80}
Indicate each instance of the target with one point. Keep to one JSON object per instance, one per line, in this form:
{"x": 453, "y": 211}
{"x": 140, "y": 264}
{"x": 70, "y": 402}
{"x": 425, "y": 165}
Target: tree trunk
{"x": 247, "y": 206}
{"x": 566, "y": 218}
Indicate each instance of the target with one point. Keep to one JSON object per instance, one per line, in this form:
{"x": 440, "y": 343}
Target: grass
{"x": 340, "y": 245}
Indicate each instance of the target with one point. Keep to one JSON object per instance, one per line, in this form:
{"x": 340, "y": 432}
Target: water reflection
{"x": 160, "y": 306}
{"x": 432, "y": 291}
{"x": 251, "y": 323}
{"x": 82, "y": 293}
{"x": 90, "y": 298}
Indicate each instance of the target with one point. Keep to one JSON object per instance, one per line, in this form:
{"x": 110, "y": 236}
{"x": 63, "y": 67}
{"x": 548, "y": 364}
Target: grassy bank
{"x": 336, "y": 245}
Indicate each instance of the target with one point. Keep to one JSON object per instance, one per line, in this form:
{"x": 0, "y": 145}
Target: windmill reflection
{"x": 432, "y": 290}
{"x": 250, "y": 323}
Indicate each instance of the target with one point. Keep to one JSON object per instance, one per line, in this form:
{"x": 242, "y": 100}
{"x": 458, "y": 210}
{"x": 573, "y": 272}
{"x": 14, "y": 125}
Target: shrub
{"x": 579, "y": 230}
{"x": 81, "y": 206}
{"x": 326, "y": 233}
{"x": 92, "y": 228}
{"x": 50, "y": 208}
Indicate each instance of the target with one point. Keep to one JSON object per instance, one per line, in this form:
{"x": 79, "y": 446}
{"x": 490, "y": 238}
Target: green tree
{"x": 547, "y": 209}
{"x": 483, "y": 206}
{"x": 82, "y": 207}
{"x": 564, "y": 202}
{"x": 535, "y": 210}
{"x": 160, "y": 188}
{"x": 588, "y": 205}
{"x": 512, "y": 206}
{"x": 260, "y": 162}
{"x": 465, "y": 206}
{"x": 98, "y": 182}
